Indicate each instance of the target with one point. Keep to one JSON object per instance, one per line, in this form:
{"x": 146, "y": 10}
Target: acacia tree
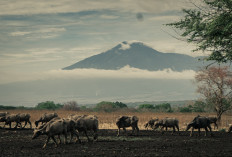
{"x": 215, "y": 85}
{"x": 209, "y": 26}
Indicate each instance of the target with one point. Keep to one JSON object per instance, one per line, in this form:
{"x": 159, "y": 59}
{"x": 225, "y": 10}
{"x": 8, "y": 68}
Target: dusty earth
{"x": 147, "y": 143}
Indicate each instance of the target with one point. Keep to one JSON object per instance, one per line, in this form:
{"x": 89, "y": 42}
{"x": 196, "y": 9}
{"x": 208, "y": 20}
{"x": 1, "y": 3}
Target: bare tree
{"x": 215, "y": 85}
{"x": 71, "y": 105}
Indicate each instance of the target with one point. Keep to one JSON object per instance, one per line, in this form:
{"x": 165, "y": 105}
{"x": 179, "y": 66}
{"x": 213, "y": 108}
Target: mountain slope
{"x": 137, "y": 55}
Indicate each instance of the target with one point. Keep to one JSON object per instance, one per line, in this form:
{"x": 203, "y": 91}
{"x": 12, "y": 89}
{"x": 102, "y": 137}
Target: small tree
{"x": 215, "y": 85}
{"x": 71, "y": 105}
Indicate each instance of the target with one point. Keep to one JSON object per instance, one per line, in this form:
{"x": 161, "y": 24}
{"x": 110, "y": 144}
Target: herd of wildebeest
{"x": 51, "y": 125}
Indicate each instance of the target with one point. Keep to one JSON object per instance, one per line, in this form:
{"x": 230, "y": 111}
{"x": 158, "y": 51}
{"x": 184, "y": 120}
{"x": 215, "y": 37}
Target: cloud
{"x": 126, "y": 72}
{"x": 43, "y": 33}
{"x": 25, "y": 7}
{"x": 124, "y": 46}
{"x": 19, "y": 33}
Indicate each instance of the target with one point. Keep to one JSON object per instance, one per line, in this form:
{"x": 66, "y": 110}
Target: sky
{"x": 39, "y": 38}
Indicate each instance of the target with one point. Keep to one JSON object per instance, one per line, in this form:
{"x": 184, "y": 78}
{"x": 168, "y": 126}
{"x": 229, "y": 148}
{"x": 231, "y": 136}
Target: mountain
{"x": 137, "y": 55}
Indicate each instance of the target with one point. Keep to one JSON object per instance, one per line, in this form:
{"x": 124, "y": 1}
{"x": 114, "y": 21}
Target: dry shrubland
{"x": 107, "y": 120}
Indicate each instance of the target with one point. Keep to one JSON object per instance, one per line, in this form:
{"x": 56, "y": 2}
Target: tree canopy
{"x": 209, "y": 26}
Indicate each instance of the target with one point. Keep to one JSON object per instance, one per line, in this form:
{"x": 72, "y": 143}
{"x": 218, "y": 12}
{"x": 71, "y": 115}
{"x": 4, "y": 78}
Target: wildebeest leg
{"x": 191, "y": 134}
{"x": 215, "y": 125}
{"x": 59, "y": 139}
{"x": 118, "y": 131}
{"x": 137, "y": 130}
{"x": 210, "y": 129}
{"x": 76, "y": 133}
{"x": 87, "y": 135}
{"x": 16, "y": 125}
{"x": 46, "y": 142}
{"x": 199, "y": 131}
{"x": 95, "y": 135}
{"x": 174, "y": 130}
{"x": 30, "y": 123}
{"x": 65, "y": 137}
{"x": 206, "y": 131}
{"x": 25, "y": 124}
{"x": 53, "y": 138}
{"x": 178, "y": 128}
{"x": 133, "y": 129}
{"x": 162, "y": 130}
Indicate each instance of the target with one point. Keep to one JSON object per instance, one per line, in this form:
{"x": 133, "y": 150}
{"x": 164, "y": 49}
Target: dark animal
{"x": 25, "y": 117}
{"x": 151, "y": 123}
{"x": 11, "y": 118}
{"x": 55, "y": 127}
{"x": 87, "y": 123}
{"x": 45, "y": 118}
{"x": 198, "y": 123}
{"x": 125, "y": 121}
{"x": 167, "y": 123}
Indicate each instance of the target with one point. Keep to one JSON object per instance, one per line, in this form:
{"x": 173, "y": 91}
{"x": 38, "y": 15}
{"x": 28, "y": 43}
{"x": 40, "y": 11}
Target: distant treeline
{"x": 106, "y": 106}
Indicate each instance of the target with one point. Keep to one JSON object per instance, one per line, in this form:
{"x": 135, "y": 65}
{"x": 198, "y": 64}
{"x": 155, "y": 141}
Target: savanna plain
{"x": 18, "y": 142}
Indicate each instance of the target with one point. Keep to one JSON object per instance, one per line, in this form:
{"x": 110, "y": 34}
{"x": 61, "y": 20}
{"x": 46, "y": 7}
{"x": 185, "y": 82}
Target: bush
{"x": 109, "y": 106}
{"x": 49, "y": 105}
{"x": 185, "y": 109}
{"x": 146, "y": 107}
{"x": 165, "y": 107}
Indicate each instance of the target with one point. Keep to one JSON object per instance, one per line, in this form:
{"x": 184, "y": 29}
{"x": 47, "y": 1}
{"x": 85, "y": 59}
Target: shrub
{"x": 146, "y": 106}
{"x": 109, "y": 106}
{"x": 50, "y": 105}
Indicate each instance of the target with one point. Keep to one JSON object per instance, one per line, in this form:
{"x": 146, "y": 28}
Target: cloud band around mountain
{"x": 126, "y": 72}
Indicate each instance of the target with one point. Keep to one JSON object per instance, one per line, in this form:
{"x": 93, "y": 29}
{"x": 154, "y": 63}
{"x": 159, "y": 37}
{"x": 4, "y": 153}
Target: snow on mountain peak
{"x": 127, "y": 44}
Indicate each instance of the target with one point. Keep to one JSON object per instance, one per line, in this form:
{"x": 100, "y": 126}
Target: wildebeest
{"x": 55, "y": 127}
{"x": 151, "y": 123}
{"x": 198, "y": 123}
{"x": 87, "y": 123}
{"x": 25, "y": 117}
{"x": 126, "y": 121}
{"x": 8, "y": 119}
{"x": 167, "y": 123}
{"x": 46, "y": 118}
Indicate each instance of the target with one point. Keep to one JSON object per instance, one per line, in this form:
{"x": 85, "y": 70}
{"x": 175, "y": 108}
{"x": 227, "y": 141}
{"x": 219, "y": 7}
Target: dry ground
{"x": 147, "y": 143}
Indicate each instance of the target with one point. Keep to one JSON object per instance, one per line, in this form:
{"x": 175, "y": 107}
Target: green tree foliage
{"x": 120, "y": 104}
{"x": 165, "y": 107}
{"x": 2, "y": 107}
{"x": 146, "y": 106}
{"x": 109, "y": 106}
{"x": 209, "y": 26}
{"x": 198, "y": 106}
{"x": 50, "y": 105}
